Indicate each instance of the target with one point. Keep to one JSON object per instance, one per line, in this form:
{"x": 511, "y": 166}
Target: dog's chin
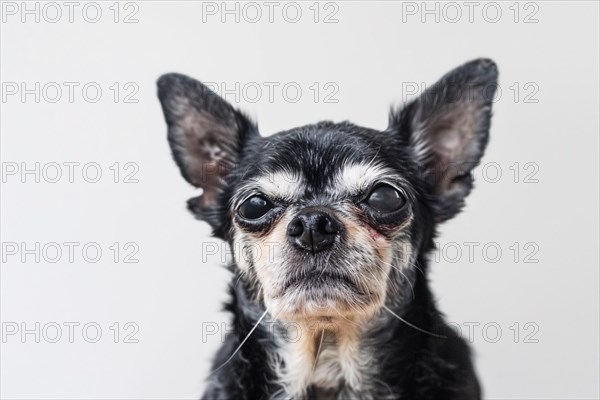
{"x": 324, "y": 297}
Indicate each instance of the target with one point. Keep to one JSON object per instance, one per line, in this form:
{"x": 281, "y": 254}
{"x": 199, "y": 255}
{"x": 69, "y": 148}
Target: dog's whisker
{"x": 318, "y": 350}
{"x": 402, "y": 273}
{"x": 416, "y": 265}
{"x": 411, "y": 325}
{"x": 242, "y": 343}
{"x": 344, "y": 317}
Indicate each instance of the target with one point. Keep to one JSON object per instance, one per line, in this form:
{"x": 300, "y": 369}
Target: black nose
{"x": 313, "y": 229}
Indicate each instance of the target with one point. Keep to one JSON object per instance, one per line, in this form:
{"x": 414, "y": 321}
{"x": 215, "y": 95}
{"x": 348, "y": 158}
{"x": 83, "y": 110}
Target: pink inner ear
{"x": 453, "y": 142}
{"x": 205, "y": 144}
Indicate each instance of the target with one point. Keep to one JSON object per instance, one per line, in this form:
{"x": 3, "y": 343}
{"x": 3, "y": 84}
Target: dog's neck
{"x": 326, "y": 355}
{"x": 338, "y": 357}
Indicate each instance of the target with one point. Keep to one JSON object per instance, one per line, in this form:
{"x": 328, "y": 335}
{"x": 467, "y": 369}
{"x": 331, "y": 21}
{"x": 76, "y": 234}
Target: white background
{"x": 370, "y": 55}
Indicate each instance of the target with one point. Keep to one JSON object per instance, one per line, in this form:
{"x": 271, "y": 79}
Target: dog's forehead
{"x": 315, "y": 160}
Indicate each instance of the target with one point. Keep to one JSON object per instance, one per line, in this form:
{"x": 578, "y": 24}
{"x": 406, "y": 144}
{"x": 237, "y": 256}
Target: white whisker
{"x": 243, "y": 341}
{"x": 318, "y": 350}
{"x": 411, "y": 325}
{"x": 402, "y": 273}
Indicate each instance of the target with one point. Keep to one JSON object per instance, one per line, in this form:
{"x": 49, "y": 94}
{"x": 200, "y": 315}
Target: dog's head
{"x": 329, "y": 219}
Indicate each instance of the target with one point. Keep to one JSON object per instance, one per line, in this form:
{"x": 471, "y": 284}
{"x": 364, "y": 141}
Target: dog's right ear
{"x": 206, "y": 135}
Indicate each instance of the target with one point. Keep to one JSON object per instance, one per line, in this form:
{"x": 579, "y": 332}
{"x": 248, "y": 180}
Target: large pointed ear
{"x": 446, "y": 130}
{"x": 206, "y": 135}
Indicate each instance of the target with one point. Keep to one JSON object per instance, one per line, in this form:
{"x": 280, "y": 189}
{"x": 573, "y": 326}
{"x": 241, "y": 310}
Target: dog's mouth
{"x": 323, "y": 294}
{"x": 321, "y": 280}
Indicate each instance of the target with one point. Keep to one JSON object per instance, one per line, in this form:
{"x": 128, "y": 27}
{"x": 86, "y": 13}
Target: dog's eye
{"x": 386, "y": 199}
{"x": 255, "y": 207}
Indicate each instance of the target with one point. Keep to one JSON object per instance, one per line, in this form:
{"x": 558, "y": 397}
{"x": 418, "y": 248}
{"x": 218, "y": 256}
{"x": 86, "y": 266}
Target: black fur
{"x": 411, "y": 364}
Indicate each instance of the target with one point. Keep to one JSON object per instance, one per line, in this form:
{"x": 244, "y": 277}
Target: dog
{"x": 330, "y": 226}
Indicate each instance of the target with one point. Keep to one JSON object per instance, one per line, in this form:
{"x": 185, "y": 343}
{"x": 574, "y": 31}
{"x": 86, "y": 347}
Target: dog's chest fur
{"x": 324, "y": 365}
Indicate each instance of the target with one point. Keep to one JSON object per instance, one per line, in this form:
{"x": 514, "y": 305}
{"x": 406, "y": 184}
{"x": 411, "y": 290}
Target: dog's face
{"x": 328, "y": 220}
{"x": 324, "y": 212}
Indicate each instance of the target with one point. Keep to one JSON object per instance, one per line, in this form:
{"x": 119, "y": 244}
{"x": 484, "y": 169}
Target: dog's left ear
{"x": 206, "y": 135}
{"x": 446, "y": 130}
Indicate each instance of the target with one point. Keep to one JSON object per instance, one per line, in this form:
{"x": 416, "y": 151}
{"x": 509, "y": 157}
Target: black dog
{"x": 331, "y": 225}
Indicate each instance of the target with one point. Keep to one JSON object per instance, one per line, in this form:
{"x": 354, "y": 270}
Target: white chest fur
{"x": 326, "y": 360}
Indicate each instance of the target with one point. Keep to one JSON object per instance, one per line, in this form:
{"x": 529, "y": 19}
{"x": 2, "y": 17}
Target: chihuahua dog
{"x": 330, "y": 226}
